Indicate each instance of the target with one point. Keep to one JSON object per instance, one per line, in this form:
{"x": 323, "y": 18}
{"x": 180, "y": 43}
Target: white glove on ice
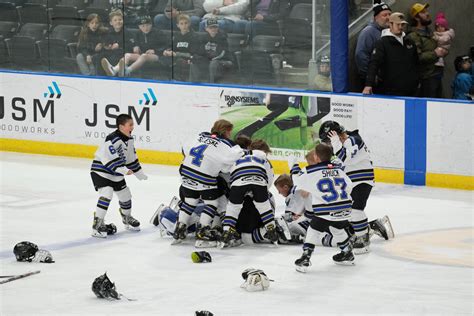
{"x": 140, "y": 175}
{"x": 255, "y": 280}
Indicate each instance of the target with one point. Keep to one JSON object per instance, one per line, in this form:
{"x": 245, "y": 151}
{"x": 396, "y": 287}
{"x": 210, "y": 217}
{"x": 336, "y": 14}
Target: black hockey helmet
{"x": 25, "y": 251}
{"x": 328, "y": 126}
{"x": 104, "y": 288}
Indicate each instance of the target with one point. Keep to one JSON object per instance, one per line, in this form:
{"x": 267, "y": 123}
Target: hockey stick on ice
{"x": 19, "y": 276}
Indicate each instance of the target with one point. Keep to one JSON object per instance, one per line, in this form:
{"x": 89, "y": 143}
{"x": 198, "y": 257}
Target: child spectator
{"x": 463, "y": 82}
{"x": 90, "y": 45}
{"x": 149, "y": 44}
{"x": 213, "y": 57}
{"x": 116, "y": 44}
{"x": 185, "y": 44}
{"x": 322, "y": 81}
{"x": 443, "y": 35}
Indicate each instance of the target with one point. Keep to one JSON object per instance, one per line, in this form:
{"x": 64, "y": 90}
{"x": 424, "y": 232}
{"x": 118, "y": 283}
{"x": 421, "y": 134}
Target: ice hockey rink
{"x": 426, "y": 269}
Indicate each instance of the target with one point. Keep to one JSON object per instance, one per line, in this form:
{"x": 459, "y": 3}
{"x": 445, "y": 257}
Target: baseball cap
{"x": 145, "y": 19}
{"x": 211, "y": 22}
{"x": 380, "y": 7}
{"x": 397, "y": 17}
{"x": 417, "y": 8}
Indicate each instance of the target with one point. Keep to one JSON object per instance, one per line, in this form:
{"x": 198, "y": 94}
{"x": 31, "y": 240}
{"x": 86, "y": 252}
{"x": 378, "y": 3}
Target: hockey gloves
{"x": 255, "y": 280}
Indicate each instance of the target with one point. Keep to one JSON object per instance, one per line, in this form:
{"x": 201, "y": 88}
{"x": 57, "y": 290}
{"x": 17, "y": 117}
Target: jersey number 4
{"x": 198, "y": 154}
{"x": 329, "y": 185}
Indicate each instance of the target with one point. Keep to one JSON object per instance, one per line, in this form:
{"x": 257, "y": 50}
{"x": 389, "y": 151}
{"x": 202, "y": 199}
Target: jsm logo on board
{"x": 27, "y": 114}
{"x": 106, "y": 116}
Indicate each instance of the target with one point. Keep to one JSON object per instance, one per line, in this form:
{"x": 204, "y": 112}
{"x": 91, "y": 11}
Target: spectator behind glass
{"x": 116, "y": 44}
{"x": 185, "y": 44}
{"x": 213, "y": 57}
{"x": 174, "y": 8}
{"x": 367, "y": 38}
{"x": 263, "y": 16}
{"x": 149, "y": 44}
{"x": 443, "y": 35}
{"x": 463, "y": 83}
{"x": 229, "y": 14}
{"x": 428, "y": 52}
{"x": 322, "y": 81}
{"x": 395, "y": 58}
{"x": 90, "y": 45}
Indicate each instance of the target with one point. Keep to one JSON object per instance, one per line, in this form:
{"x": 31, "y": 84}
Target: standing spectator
{"x": 185, "y": 45}
{"x": 367, "y": 38}
{"x": 174, "y": 8}
{"x": 150, "y": 43}
{"x": 213, "y": 57}
{"x": 428, "y": 52}
{"x": 322, "y": 81}
{"x": 90, "y": 45}
{"x": 229, "y": 14}
{"x": 463, "y": 83}
{"x": 263, "y": 16}
{"x": 396, "y": 58}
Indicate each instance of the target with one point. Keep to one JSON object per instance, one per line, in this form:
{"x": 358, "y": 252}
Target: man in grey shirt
{"x": 367, "y": 38}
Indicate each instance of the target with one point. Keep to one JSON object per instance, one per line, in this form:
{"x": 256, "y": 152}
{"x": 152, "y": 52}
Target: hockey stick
{"x": 19, "y": 276}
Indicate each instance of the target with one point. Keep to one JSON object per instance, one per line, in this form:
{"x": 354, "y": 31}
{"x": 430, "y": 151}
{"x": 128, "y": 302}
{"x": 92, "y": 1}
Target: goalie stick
{"x": 19, "y": 276}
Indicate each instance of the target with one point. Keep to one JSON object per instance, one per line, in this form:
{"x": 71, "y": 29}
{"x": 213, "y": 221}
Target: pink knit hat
{"x": 441, "y": 20}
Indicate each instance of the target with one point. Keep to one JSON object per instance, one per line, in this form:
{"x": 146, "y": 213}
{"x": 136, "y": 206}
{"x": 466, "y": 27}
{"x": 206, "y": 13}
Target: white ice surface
{"x": 50, "y": 201}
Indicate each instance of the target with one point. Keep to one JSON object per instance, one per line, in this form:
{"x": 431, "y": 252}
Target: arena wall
{"x": 412, "y": 141}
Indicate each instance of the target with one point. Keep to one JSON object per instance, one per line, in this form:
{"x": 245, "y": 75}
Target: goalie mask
{"x": 25, "y": 251}
{"x": 104, "y": 288}
{"x": 328, "y": 126}
{"x": 255, "y": 280}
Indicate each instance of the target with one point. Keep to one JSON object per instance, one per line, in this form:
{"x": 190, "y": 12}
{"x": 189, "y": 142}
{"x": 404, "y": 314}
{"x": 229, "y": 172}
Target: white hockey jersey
{"x": 356, "y": 159}
{"x": 252, "y": 168}
{"x": 330, "y": 190}
{"x": 205, "y": 158}
{"x": 115, "y": 157}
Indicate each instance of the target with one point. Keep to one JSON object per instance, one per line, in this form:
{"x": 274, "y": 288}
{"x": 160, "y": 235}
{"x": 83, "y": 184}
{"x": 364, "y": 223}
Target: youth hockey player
{"x": 114, "y": 159}
{"x": 251, "y": 175}
{"x": 329, "y": 188}
{"x": 352, "y": 151}
{"x": 204, "y": 158}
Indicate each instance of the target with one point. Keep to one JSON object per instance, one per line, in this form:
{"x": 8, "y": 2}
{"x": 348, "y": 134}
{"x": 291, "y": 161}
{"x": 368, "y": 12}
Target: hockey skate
{"x": 272, "y": 233}
{"x": 205, "y": 238}
{"x": 362, "y": 245}
{"x": 382, "y": 227}
{"x": 303, "y": 263}
{"x": 101, "y": 230}
{"x": 230, "y": 238}
{"x": 345, "y": 258}
{"x": 179, "y": 233}
{"x": 129, "y": 222}
{"x": 155, "y": 219}
{"x": 284, "y": 234}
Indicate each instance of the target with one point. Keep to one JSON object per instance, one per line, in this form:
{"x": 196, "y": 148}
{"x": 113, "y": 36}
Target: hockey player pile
{"x": 224, "y": 198}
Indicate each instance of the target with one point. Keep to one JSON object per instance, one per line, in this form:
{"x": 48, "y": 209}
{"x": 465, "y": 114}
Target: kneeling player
{"x": 114, "y": 159}
{"x": 329, "y": 188}
{"x": 251, "y": 176}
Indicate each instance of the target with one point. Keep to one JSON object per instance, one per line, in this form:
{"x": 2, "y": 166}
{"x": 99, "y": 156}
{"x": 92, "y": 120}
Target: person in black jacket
{"x": 149, "y": 44}
{"x": 212, "y": 58}
{"x": 393, "y": 62}
{"x": 116, "y": 44}
{"x": 184, "y": 46}
{"x": 90, "y": 45}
